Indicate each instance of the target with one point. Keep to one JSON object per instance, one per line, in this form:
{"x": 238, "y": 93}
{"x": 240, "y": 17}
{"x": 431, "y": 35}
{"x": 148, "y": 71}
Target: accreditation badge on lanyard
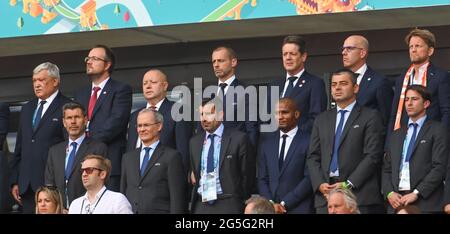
{"x": 404, "y": 178}
{"x": 209, "y": 192}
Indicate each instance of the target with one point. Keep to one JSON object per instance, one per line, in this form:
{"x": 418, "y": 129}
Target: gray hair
{"x": 260, "y": 205}
{"x": 158, "y": 116}
{"x": 52, "y": 69}
{"x": 349, "y": 198}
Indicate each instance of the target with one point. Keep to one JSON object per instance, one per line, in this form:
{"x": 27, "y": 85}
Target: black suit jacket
{"x": 55, "y": 168}
{"x": 447, "y": 185}
{"x": 30, "y": 155}
{"x": 174, "y": 134}
{"x": 292, "y": 184}
{"x": 376, "y": 92}
{"x": 427, "y": 165}
{"x": 4, "y": 123}
{"x": 360, "y": 154}
{"x": 438, "y": 85}
{"x": 162, "y": 189}
{"x": 237, "y": 166}
{"x": 310, "y": 96}
{"x": 4, "y": 188}
{"x": 109, "y": 119}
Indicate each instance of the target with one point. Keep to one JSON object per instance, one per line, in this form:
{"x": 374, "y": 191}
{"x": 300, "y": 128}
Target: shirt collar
{"x": 298, "y": 75}
{"x": 218, "y": 132}
{"x": 362, "y": 70}
{"x": 50, "y": 99}
{"x": 349, "y": 108}
{"x": 158, "y": 105}
{"x": 291, "y": 133}
{"x": 79, "y": 140}
{"x": 419, "y": 122}
{"x": 153, "y": 145}
{"x": 101, "y": 85}
{"x": 97, "y": 196}
{"x": 228, "y": 81}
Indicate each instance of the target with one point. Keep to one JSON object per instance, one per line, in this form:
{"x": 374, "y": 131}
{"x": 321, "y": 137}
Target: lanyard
{"x": 88, "y": 210}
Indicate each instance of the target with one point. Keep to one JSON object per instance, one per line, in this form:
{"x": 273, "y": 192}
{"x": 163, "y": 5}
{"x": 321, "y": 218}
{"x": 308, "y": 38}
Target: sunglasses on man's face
{"x": 89, "y": 170}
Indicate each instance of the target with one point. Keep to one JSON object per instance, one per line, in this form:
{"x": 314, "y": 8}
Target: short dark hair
{"x": 341, "y": 71}
{"x": 230, "y": 51}
{"x": 110, "y": 57}
{"x": 73, "y": 106}
{"x": 295, "y": 39}
{"x": 421, "y": 90}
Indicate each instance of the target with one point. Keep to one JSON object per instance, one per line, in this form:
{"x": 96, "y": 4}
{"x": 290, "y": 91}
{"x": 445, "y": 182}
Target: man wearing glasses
{"x": 95, "y": 171}
{"x": 375, "y": 90}
{"x": 109, "y": 104}
{"x": 63, "y": 163}
{"x": 153, "y": 176}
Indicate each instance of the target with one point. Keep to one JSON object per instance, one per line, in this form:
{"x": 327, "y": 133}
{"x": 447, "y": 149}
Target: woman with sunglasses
{"x": 49, "y": 201}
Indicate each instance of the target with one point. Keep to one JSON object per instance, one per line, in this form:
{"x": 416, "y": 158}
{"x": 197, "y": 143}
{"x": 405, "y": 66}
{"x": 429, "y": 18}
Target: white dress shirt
{"x": 106, "y": 202}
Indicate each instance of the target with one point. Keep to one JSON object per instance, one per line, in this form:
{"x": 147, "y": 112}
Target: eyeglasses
{"x": 89, "y": 170}
{"x": 350, "y": 48}
{"x": 94, "y": 58}
{"x": 146, "y": 125}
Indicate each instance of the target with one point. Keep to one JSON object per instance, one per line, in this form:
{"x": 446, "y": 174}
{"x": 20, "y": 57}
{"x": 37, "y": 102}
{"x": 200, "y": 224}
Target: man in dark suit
{"x": 416, "y": 160}
{"x": 222, "y": 165}
{"x": 421, "y": 43}
{"x": 153, "y": 176}
{"x": 283, "y": 177}
{"x": 174, "y": 134}
{"x": 346, "y": 148}
{"x": 233, "y": 93}
{"x": 109, "y": 104}
{"x": 4, "y": 188}
{"x": 40, "y": 127}
{"x": 307, "y": 90}
{"x": 375, "y": 90}
{"x": 63, "y": 168}
{"x": 447, "y": 190}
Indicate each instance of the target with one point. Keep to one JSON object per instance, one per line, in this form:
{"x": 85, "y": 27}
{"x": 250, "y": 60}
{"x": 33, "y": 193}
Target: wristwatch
{"x": 283, "y": 204}
{"x": 416, "y": 192}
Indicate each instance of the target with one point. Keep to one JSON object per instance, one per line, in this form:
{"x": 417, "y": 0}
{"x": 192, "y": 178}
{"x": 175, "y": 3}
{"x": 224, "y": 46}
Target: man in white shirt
{"x": 98, "y": 199}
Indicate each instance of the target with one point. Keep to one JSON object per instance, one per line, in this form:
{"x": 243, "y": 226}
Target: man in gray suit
{"x": 64, "y": 159}
{"x": 153, "y": 176}
{"x": 222, "y": 164}
{"x": 416, "y": 160}
{"x": 346, "y": 148}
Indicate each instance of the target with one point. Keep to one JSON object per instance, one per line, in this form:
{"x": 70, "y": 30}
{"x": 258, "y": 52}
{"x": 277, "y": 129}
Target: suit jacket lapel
{"x": 81, "y": 152}
{"x": 301, "y": 83}
{"x": 364, "y": 85}
{"x": 165, "y": 107}
{"x": 197, "y": 149}
{"x": 354, "y": 114}
{"x": 274, "y": 152}
{"x": 101, "y": 98}
{"x": 331, "y": 129}
{"x": 397, "y": 150}
{"x": 423, "y": 130}
{"x": 291, "y": 151}
{"x": 159, "y": 151}
{"x": 226, "y": 138}
{"x": 52, "y": 108}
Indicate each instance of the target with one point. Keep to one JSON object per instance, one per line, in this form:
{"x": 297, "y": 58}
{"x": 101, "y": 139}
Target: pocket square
{"x": 157, "y": 164}
{"x": 423, "y": 141}
{"x": 356, "y": 126}
{"x": 234, "y": 103}
{"x": 55, "y": 119}
{"x": 229, "y": 156}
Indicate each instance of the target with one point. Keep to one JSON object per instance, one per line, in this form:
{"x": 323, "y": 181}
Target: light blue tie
{"x": 337, "y": 137}
{"x": 71, "y": 159}
{"x": 38, "y": 115}
{"x": 146, "y": 159}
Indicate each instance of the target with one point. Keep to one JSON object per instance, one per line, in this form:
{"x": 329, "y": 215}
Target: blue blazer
{"x": 109, "y": 118}
{"x": 438, "y": 85}
{"x": 376, "y": 92}
{"x": 292, "y": 184}
{"x": 174, "y": 134}
{"x": 30, "y": 155}
{"x": 310, "y": 96}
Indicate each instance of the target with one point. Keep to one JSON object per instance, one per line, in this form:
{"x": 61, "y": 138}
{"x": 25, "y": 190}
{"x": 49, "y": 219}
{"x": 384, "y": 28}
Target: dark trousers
{"x": 28, "y": 203}
{"x": 220, "y": 206}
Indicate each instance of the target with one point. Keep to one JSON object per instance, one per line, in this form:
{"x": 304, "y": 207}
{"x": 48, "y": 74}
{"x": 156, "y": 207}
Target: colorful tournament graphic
{"x": 38, "y": 17}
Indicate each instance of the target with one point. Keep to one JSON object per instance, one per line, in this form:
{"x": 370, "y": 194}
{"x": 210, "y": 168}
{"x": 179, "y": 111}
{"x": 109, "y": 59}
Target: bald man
{"x": 375, "y": 90}
{"x": 174, "y": 134}
{"x": 282, "y": 175}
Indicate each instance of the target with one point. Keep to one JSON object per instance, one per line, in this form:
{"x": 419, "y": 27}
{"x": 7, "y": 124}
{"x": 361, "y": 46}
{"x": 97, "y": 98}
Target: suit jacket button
{"x": 140, "y": 187}
{"x": 32, "y": 140}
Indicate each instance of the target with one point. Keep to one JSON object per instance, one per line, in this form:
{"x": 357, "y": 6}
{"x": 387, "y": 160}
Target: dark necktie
{"x": 290, "y": 86}
{"x": 337, "y": 137}
{"x": 145, "y": 160}
{"x": 38, "y": 114}
{"x": 92, "y": 101}
{"x": 70, "y": 160}
{"x": 210, "y": 159}
{"x": 411, "y": 142}
{"x": 281, "y": 156}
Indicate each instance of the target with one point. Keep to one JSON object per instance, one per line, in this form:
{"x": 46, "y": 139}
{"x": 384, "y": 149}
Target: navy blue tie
{"x": 70, "y": 160}
{"x": 411, "y": 142}
{"x": 146, "y": 159}
{"x": 38, "y": 115}
{"x": 281, "y": 157}
{"x": 337, "y": 137}
{"x": 290, "y": 86}
{"x": 210, "y": 159}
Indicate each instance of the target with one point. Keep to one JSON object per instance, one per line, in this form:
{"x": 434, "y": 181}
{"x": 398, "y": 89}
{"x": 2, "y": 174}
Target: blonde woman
{"x": 49, "y": 201}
